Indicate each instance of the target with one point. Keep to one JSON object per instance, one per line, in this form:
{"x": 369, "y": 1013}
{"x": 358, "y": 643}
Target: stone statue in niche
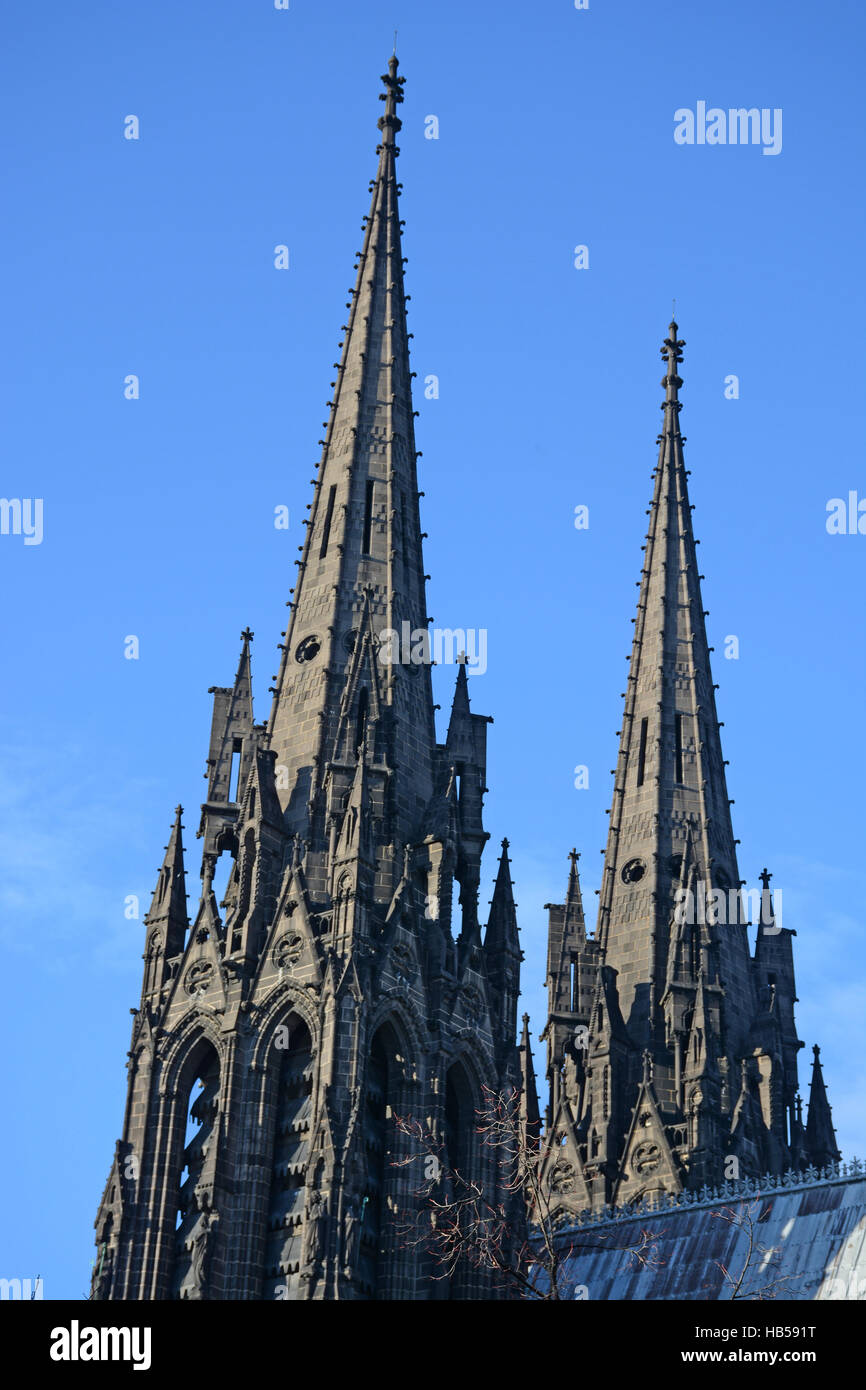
{"x": 351, "y": 1224}
{"x": 317, "y": 1218}
{"x": 200, "y": 1253}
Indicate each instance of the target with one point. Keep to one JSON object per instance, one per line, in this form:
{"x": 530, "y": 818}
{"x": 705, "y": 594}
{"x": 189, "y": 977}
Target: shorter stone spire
{"x": 566, "y": 936}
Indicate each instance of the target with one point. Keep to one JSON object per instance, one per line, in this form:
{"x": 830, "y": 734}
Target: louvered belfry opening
{"x": 285, "y": 1237}
{"x": 193, "y": 1221}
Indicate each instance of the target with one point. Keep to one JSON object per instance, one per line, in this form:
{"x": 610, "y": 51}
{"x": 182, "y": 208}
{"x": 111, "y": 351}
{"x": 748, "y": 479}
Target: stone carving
{"x": 198, "y": 977}
{"x": 200, "y": 1258}
{"x": 288, "y": 950}
{"x": 562, "y": 1177}
{"x": 472, "y": 1006}
{"x": 314, "y": 1232}
{"x": 646, "y": 1158}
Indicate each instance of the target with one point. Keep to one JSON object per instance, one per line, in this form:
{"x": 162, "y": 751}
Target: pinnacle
{"x": 169, "y": 896}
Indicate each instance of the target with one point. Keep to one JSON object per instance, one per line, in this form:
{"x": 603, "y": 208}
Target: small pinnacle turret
{"x": 530, "y": 1114}
{"x": 167, "y": 921}
{"x": 502, "y": 953}
{"x": 820, "y": 1135}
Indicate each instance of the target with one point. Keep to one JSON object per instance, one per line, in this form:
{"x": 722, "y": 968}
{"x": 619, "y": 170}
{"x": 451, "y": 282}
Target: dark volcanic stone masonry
{"x": 345, "y": 979}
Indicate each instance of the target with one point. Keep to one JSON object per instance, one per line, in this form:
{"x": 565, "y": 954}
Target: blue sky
{"x": 155, "y": 257}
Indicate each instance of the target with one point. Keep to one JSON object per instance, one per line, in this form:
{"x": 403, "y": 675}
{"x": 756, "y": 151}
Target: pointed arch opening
{"x": 227, "y": 854}
{"x": 200, "y": 1087}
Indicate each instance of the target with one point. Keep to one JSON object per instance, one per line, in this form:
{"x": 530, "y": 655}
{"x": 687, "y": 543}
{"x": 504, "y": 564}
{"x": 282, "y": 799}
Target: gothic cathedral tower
{"x": 341, "y": 982}
{"x": 671, "y": 1047}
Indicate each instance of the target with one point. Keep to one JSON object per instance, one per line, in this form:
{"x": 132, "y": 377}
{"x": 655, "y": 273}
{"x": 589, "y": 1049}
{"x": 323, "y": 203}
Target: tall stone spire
{"x": 363, "y": 538}
{"x": 566, "y": 936}
{"x": 330, "y": 991}
{"x": 670, "y": 775}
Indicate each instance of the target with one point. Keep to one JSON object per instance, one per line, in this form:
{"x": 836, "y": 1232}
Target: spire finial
{"x": 390, "y": 123}
{"x": 672, "y": 352}
{"x": 246, "y": 635}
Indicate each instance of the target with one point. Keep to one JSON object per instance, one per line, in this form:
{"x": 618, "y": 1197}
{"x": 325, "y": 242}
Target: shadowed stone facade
{"x": 671, "y": 1046}
{"x": 344, "y": 979}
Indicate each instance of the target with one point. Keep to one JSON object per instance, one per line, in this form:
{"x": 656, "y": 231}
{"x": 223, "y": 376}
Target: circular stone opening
{"x": 308, "y": 649}
{"x": 633, "y": 871}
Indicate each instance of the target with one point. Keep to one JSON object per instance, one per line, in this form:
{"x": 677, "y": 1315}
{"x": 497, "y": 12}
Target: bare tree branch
{"x": 510, "y": 1232}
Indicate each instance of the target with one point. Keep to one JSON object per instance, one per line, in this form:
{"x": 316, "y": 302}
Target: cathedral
{"x": 344, "y": 978}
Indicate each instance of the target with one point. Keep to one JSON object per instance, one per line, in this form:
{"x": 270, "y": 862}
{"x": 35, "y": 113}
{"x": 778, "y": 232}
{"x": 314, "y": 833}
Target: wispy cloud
{"x": 73, "y": 849}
